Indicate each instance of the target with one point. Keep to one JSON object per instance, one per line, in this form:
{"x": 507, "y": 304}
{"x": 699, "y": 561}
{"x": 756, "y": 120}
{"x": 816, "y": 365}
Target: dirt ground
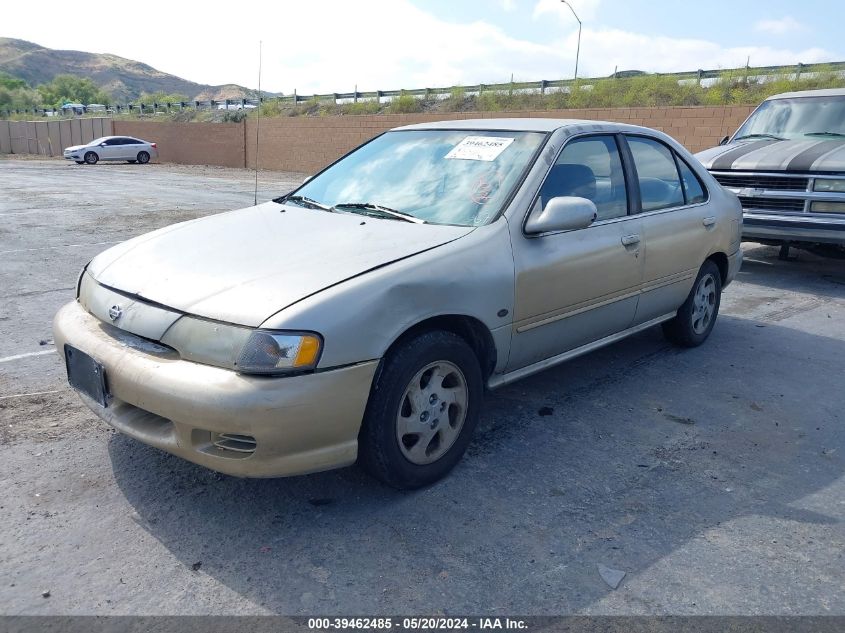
{"x": 713, "y": 477}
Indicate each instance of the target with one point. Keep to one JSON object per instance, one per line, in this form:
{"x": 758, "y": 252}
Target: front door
{"x": 575, "y": 287}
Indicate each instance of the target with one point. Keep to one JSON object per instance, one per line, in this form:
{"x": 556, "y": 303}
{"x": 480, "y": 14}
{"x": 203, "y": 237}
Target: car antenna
{"x": 258, "y": 125}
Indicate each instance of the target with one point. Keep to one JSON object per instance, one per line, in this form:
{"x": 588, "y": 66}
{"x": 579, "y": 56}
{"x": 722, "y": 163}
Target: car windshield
{"x": 797, "y": 118}
{"x": 97, "y": 141}
{"x": 461, "y": 177}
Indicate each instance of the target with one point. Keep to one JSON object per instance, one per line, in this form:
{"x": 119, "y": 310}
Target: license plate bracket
{"x": 86, "y": 375}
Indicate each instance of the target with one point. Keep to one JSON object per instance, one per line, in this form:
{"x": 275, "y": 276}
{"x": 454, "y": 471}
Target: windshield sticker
{"x": 485, "y": 148}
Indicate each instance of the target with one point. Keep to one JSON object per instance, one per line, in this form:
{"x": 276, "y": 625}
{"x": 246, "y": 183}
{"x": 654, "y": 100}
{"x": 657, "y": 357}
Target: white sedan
{"x": 128, "y": 148}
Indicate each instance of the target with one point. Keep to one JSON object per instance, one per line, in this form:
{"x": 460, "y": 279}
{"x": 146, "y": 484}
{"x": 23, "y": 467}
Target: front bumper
{"x": 300, "y": 424}
{"x": 793, "y": 228}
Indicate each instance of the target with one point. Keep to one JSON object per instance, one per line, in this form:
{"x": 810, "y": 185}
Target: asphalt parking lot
{"x": 713, "y": 477}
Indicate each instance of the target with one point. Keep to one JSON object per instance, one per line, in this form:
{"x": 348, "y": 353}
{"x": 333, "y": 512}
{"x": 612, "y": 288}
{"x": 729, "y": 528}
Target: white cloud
{"x": 507, "y": 5}
{"x": 784, "y": 25}
{"x": 334, "y": 45}
{"x": 603, "y": 49}
{"x": 585, "y": 9}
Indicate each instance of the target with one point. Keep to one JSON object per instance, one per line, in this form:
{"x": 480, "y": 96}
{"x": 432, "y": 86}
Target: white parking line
{"x": 27, "y": 355}
{"x": 34, "y": 393}
{"x": 47, "y": 248}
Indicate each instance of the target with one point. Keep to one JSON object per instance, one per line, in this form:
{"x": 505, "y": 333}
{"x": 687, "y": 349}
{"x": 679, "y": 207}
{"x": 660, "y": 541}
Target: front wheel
{"x": 143, "y": 158}
{"x": 422, "y": 411}
{"x": 91, "y": 158}
{"x": 697, "y": 316}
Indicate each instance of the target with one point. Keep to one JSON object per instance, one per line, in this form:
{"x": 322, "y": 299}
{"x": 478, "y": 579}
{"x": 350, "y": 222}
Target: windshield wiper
{"x": 392, "y": 213}
{"x": 823, "y": 134}
{"x": 771, "y": 136}
{"x": 303, "y": 201}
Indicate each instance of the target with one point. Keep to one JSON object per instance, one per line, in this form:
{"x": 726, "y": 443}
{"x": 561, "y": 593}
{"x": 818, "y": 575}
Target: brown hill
{"x": 124, "y": 79}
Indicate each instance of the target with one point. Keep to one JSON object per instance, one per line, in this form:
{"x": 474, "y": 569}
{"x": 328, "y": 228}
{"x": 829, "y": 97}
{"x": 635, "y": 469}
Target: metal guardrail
{"x": 428, "y": 93}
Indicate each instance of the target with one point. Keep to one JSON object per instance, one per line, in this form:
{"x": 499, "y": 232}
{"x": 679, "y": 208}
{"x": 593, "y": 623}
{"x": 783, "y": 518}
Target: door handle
{"x": 630, "y": 240}
{"x": 708, "y": 222}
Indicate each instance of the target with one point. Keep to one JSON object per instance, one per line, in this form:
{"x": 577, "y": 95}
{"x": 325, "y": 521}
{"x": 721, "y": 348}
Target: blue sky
{"x": 334, "y": 45}
{"x": 728, "y": 23}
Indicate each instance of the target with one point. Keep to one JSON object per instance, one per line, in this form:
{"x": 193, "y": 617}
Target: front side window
{"x": 591, "y": 168}
{"x": 461, "y": 177}
{"x": 660, "y": 185}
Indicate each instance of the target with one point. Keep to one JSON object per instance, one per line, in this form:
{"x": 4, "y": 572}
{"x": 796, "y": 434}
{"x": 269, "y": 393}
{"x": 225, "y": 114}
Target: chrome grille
{"x": 772, "y": 204}
{"x": 771, "y": 183}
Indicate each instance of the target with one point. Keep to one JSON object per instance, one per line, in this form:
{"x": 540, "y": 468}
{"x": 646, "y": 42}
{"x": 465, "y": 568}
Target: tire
{"x": 131, "y": 162}
{"x": 423, "y": 408}
{"x": 143, "y": 158}
{"x": 91, "y": 158}
{"x": 80, "y": 162}
{"x": 697, "y": 316}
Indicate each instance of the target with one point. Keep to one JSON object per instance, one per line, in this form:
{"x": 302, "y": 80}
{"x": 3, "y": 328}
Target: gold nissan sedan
{"x": 361, "y": 316}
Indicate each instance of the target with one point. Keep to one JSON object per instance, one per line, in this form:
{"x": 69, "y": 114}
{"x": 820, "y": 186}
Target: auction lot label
{"x": 485, "y": 148}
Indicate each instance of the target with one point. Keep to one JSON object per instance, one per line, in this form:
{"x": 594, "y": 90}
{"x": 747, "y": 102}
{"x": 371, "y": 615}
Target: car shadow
{"x": 804, "y": 270}
{"x": 623, "y": 458}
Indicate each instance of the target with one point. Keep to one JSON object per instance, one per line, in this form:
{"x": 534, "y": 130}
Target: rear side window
{"x": 591, "y": 168}
{"x": 693, "y": 189}
{"x": 660, "y": 185}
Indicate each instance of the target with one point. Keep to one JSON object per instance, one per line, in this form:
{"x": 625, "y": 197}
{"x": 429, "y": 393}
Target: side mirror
{"x": 102, "y": 144}
{"x": 725, "y": 140}
{"x": 563, "y": 214}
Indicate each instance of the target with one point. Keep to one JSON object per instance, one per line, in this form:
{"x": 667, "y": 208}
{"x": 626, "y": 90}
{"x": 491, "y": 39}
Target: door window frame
{"x": 632, "y": 200}
{"x": 628, "y": 157}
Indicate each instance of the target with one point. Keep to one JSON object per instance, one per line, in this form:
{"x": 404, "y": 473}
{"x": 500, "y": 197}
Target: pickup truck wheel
{"x": 423, "y": 409}
{"x": 696, "y": 317}
{"x": 91, "y": 158}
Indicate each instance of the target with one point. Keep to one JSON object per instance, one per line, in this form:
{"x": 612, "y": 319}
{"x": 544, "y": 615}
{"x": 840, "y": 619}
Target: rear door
{"x": 676, "y": 220}
{"x": 131, "y": 148}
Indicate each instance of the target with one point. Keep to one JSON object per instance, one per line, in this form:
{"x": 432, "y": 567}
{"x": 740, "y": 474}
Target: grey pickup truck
{"x": 787, "y": 165}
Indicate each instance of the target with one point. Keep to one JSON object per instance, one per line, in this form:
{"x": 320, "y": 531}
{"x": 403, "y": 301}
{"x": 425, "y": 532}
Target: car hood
{"x": 244, "y": 266}
{"x": 75, "y": 147}
{"x": 804, "y": 155}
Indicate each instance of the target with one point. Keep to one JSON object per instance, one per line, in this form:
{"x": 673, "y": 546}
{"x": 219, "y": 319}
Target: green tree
{"x": 70, "y": 88}
{"x": 15, "y": 94}
{"x": 11, "y": 83}
{"x": 160, "y": 96}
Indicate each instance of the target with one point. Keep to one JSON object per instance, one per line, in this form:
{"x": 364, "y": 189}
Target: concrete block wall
{"x": 49, "y": 137}
{"x": 306, "y": 144}
{"x": 220, "y": 144}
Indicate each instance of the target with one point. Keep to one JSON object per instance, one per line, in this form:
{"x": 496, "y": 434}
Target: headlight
{"x": 243, "y": 349}
{"x": 828, "y": 207}
{"x": 269, "y": 352}
{"x": 830, "y": 184}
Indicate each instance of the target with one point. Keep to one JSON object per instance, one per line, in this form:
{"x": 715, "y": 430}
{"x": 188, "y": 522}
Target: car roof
{"x": 519, "y": 125}
{"x": 826, "y": 92}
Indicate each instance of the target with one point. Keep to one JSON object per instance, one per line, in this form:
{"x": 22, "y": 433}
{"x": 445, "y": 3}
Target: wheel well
{"x": 721, "y": 261}
{"x": 473, "y": 331}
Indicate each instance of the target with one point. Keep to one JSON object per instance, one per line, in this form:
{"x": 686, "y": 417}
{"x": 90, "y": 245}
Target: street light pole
{"x": 577, "y": 50}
